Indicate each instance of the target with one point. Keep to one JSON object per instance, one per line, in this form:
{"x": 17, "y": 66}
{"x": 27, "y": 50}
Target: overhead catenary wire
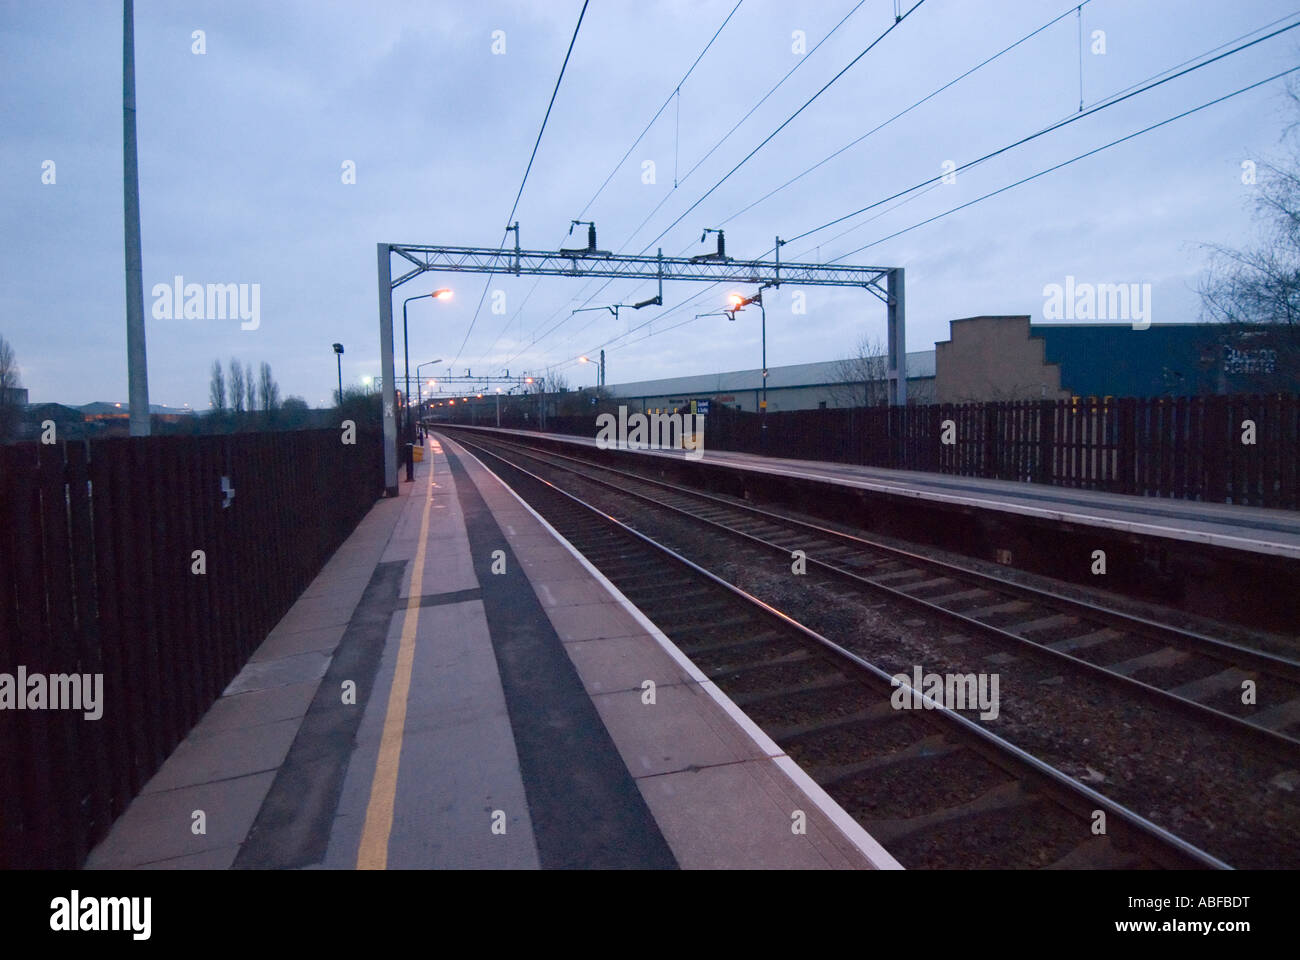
{"x": 520, "y": 192}
{"x": 898, "y": 20}
{"x": 1160, "y": 73}
{"x": 614, "y": 344}
{"x": 621, "y": 340}
{"x": 906, "y": 110}
{"x": 1065, "y": 163}
{"x": 736, "y": 126}
{"x": 877, "y": 128}
{"x": 617, "y": 166}
{"x": 1091, "y": 111}
{"x": 917, "y": 195}
{"x": 788, "y": 120}
{"x": 641, "y": 135}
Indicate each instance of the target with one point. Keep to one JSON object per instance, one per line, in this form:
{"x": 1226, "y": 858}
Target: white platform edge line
{"x": 893, "y": 488}
{"x": 853, "y": 832}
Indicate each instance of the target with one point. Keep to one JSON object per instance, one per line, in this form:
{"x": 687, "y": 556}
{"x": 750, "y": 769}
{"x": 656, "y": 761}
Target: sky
{"x": 285, "y": 140}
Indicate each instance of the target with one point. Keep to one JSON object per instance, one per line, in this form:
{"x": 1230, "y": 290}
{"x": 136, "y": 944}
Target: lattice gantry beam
{"x": 551, "y": 263}
{"x": 885, "y": 283}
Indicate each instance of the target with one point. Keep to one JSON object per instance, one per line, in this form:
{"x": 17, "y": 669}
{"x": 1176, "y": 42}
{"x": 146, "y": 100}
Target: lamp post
{"x": 419, "y": 399}
{"x": 338, "y": 353}
{"x": 739, "y": 303}
{"x": 442, "y": 294}
{"x": 600, "y": 377}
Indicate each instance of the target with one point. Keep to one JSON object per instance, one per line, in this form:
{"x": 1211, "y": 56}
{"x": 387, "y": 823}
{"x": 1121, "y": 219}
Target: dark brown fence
{"x": 1190, "y": 448}
{"x": 97, "y": 561}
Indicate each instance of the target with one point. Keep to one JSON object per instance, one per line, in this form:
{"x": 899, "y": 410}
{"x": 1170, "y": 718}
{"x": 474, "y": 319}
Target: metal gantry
{"x": 533, "y": 386}
{"x": 886, "y": 283}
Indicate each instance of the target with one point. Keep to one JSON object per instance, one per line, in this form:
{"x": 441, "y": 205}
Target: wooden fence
{"x": 1191, "y": 448}
{"x": 98, "y": 575}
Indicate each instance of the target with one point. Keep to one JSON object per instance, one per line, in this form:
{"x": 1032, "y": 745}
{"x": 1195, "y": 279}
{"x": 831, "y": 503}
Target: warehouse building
{"x": 1010, "y": 358}
{"x": 799, "y": 386}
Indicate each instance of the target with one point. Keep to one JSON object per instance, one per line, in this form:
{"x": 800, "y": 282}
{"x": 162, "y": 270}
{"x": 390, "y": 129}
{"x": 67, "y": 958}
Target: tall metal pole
{"x": 896, "y": 313}
{"x": 137, "y": 370}
{"x": 339, "y": 357}
{"x": 763, "y": 420}
{"x": 602, "y": 366}
{"x": 386, "y": 365}
{"x": 406, "y": 398}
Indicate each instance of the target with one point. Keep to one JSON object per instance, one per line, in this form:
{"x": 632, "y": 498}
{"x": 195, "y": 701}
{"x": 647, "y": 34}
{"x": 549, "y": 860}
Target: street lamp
{"x": 338, "y": 351}
{"x": 418, "y": 394}
{"x": 600, "y": 382}
{"x": 441, "y": 294}
{"x": 739, "y": 303}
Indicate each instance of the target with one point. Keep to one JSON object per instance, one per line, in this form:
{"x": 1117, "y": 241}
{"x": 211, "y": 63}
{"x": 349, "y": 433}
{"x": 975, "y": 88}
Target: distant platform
{"x": 1251, "y": 529}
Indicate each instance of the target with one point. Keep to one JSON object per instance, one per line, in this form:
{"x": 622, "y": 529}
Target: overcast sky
{"x": 244, "y": 150}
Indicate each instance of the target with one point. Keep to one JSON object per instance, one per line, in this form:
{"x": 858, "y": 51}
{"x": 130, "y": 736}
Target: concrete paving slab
{"x": 753, "y": 829}
{"x": 316, "y": 612}
{"x": 277, "y": 646}
{"x": 224, "y": 755}
{"x": 669, "y": 735}
{"x": 623, "y": 663}
{"x": 264, "y": 674}
{"x": 219, "y": 859}
{"x": 564, "y": 593}
{"x": 256, "y": 708}
{"x": 552, "y": 567}
{"x": 593, "y": 621}
{"x": 158, "y": 826}
{"x": 339, "y": 585}
{"x": 442, "y": 574}
{"x": 458, "y": 760}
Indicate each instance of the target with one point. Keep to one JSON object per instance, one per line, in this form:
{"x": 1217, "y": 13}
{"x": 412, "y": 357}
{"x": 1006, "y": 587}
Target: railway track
{"x": 1194, "y": 673}
{"x": 935, "y": 787}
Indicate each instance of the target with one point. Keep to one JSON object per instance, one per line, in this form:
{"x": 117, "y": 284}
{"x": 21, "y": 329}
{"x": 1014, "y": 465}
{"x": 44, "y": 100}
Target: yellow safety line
{"x": 373, "y": 851}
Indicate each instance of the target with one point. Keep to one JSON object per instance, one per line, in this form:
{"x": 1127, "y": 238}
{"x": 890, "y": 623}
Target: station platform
{"x": 459, "y": 689}
{"x": 1256, "y": 530}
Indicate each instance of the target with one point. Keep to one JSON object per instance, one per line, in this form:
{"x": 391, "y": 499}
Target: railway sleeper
{"x": 1005, "y": 796}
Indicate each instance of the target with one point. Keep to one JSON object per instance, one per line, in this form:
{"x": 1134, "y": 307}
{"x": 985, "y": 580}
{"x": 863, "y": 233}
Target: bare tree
{"x": 250, "y": 388}
{"x": 556, "y": 382}
{"x": 9, "y": 382}
{"x": 1254, "y": 293}
{"x": 861, "y": 379}
{"x": 268, "y": 390}
{"x": 217, "y": 388}
{"x": 9, "y": 377}
{"x": 236, "y": 385}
